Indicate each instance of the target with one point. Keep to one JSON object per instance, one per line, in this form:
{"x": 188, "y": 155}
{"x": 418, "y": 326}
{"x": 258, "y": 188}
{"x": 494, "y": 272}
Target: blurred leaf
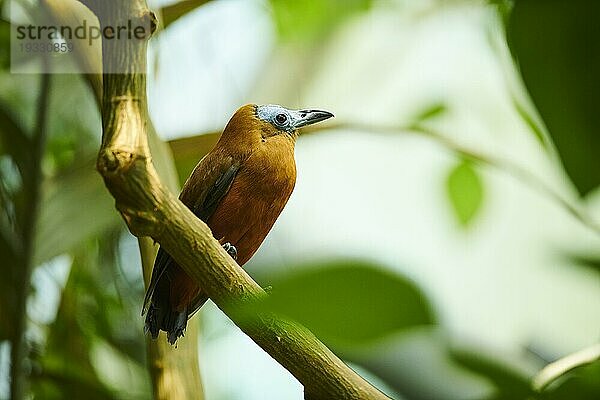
{"x": 70, "y": 385}
{"x": 14, "y": 144}
{"x": 64, "y": 369}
{"x": 74, "y": 137}
{"x": 510, "y": 384}
{"x": 503, "y": 7}
{"x": 530, "y": 122}
{"x": 433, "y": 111}
{"x": 122, "y": 304}
{"x": 14, "y": 140}
{"x": 417, "y": 364}
{"x": 162, "y": 158}
{"x": 92, "y": 310}
{"x": 19, "y": 94}
{"x": 591, "y": 262}
{"x": 173, "y": 12}
{"x": 7, "y": 283}
{"x": 582, "y": 383}
{"x": 557, "y": 46}
{"x": 76, "y": 207}
{"x": 187, "y": 152}
{"x": 4, "y": 43}
{"x": 349, "y": 302}
{"x": 88, "y": 56}
{"x": 465, "y": 191}
{"x": 307, "y": 20}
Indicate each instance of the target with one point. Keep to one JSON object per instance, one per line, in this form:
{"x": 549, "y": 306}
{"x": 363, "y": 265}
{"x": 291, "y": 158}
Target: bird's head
{"x": 279, "y": 119}
{"x": 253, "y": 122}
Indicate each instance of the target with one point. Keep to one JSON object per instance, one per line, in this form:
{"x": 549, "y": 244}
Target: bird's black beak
{"x": 309, "y": 117}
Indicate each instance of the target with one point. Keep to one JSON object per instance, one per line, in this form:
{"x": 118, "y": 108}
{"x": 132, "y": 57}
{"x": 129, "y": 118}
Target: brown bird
{"x": 238, "y": 189}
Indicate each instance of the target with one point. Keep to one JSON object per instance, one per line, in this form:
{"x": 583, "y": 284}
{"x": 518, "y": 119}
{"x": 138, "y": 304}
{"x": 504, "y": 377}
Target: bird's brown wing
{"x": 205, "y": 209}
{"x": 211, "y": 182}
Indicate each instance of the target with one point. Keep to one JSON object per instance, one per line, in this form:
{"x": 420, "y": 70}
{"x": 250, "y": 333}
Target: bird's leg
{"x": 231, "y": 250}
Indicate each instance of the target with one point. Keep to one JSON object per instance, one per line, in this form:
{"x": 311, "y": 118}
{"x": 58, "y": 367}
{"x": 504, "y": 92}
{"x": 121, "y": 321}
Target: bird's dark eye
{"x": 281, "y": 118}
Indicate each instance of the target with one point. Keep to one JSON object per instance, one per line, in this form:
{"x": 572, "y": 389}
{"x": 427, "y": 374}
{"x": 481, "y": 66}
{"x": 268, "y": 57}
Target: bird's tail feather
{"x": 162, "y": 318}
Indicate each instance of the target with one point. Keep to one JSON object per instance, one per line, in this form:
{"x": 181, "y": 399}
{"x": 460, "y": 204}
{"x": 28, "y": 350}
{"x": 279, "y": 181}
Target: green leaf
{"x": 187, "y": 152}
{"x": 4, "y": 43}
{"x": 162, "y": 157}
{"x": 89, "y": 312}
{"x": 590, "y": 262}
{"x": 417, "y": 365}
{"x": 557, "y": 46}
{"x": 14, "y": 140}
{"x": 9, "y": 248}
{"x": 465, "y": 191}
{"x": 430, "y": 112}
{"x": 307, "y": 20}
{"x": 76, "y": 207}
{"x": 510, "y": 383}
{"x": 349, "y": 303}
{"x": 529, "y": 120}
{"x": 173, "y": 12}
{"x": 69, "y": 384}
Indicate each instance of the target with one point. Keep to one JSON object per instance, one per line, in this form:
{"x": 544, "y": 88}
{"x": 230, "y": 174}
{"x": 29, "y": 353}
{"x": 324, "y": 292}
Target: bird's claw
{"x": 231, "y": 250}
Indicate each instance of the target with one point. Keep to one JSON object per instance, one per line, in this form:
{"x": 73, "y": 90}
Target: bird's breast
{"x": 257, "y": 196}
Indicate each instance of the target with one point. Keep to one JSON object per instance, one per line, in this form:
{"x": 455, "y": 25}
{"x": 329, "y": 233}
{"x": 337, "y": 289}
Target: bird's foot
{"x": 231, "y": 250}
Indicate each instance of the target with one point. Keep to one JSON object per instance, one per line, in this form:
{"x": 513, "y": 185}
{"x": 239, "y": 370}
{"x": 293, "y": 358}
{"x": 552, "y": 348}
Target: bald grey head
{"x": 290, "y": 120}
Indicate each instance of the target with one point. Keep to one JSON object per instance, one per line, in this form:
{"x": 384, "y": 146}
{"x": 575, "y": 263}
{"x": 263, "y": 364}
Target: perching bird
{"x": 238, "y": 189}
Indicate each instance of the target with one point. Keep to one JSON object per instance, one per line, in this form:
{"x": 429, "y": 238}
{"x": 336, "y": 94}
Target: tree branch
{"x": 149, "y": 209}
{"x": 555, "y": 370}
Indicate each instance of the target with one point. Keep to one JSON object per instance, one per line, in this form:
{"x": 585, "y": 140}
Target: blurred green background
{"x": 443, "y": 237}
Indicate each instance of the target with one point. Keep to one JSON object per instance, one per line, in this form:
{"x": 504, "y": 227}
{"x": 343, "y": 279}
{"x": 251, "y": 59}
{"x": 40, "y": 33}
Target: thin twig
{"x": 512, "y": 169}
{"x": 555, "y": 370}
{"x": 517, "y": 172}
